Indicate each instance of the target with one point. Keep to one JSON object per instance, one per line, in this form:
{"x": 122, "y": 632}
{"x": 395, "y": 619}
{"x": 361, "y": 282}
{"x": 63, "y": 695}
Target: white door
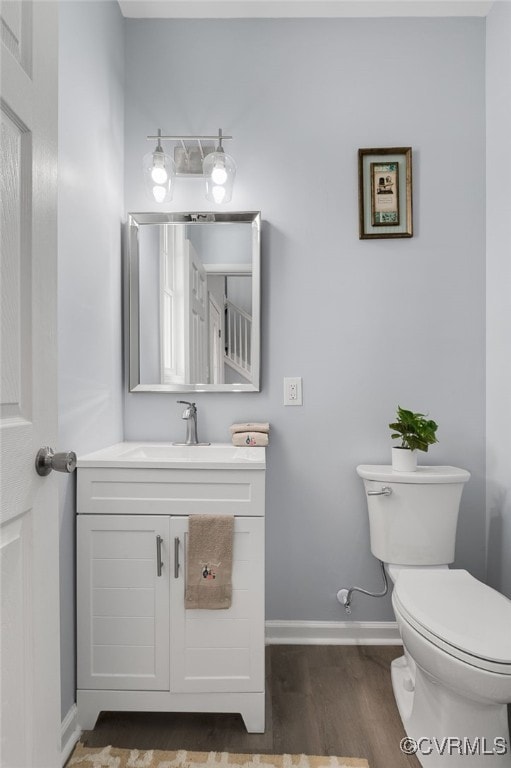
{"x": 220, "y": 650}
{"x": 195, "y": 317}
{"x": 123, "y": 602}
{"x": 29, "y": 549}
{"x": 172, "y": 246}
{"x": 216, "y": 352}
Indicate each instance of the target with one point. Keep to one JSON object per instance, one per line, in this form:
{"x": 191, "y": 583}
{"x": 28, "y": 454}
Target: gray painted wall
{"x": 368, "y": 324}
{"x": 322, "y": 287}
{"x": 498, "y": 280}
{"x": 91, "y": 147}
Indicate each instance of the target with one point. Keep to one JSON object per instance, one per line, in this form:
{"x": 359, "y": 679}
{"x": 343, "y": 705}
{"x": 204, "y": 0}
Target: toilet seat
{"x": 459, "y": 614}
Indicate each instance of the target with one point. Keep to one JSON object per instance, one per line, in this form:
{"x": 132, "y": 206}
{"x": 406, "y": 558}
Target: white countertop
{"x": 168, "y": 456}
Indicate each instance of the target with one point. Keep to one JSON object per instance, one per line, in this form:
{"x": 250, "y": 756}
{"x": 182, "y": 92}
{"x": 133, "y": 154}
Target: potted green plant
{"x": 416, "y": 432}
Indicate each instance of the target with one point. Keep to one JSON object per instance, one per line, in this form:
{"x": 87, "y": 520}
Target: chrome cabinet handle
{"x": 47, "y": 459}
{"x": 176, "y": 557}
{"x": 385, "y": 491}
{"x": 159, "y": 563}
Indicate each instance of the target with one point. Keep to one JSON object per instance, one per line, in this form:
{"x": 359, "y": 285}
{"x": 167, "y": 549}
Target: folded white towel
{"x": 250, "y": 439}
{"x": 250, "y": 426}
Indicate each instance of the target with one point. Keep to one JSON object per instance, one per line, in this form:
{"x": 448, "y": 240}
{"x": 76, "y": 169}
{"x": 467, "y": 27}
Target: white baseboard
{"x": 70, "y": 733}
{"x": 332, "y": 633}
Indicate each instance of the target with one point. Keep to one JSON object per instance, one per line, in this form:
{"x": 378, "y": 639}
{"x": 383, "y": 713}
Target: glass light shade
{"x": 219, "y": 173}
{"x": 218, "y": 193}
{"x": 159, "y": 176}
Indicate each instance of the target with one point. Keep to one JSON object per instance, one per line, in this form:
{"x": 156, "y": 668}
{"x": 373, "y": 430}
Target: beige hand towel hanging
{"x": 209, "y": 561}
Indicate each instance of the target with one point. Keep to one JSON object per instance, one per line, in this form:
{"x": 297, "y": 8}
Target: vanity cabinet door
{"x": 123, "y": 602}
{"x": 220, "y": 650}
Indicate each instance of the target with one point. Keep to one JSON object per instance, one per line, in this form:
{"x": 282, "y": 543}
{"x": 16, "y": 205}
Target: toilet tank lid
{"x": 458, "y": 609}
{"x": 422, "y": 476}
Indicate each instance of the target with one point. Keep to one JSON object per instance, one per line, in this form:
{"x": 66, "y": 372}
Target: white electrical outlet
{"x": 293, "y": 390}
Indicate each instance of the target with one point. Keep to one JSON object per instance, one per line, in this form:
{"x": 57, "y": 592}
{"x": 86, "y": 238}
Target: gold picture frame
{"x": 385, "y": 192}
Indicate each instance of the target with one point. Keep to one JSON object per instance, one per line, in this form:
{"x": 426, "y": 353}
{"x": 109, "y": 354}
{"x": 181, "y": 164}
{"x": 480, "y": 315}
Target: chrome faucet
{"x": 190, "y": 415}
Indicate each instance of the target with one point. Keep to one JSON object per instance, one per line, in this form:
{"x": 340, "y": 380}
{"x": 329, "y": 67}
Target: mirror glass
{"x": 194, "y": 302}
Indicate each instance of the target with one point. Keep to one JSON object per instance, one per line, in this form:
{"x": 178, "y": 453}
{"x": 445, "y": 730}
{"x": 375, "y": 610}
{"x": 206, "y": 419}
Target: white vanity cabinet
{"x": 138, "y": 647}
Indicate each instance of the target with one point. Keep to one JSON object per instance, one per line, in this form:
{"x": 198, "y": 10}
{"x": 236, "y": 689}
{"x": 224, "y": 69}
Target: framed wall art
{"x": 385, "y": 192}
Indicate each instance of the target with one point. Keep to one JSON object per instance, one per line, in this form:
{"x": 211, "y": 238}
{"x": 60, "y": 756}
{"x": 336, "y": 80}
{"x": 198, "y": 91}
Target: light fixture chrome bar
{"x": 216, "y": 136}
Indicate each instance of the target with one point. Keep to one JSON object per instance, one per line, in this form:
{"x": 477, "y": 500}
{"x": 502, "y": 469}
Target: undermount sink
{"x": 166, "y": 455}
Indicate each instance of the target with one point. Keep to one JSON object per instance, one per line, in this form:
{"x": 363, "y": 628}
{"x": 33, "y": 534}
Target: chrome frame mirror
{"x": 239, "y": 333}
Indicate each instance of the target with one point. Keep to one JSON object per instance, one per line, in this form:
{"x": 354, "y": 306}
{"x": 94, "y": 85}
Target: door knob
{"x": 47, "y": 459}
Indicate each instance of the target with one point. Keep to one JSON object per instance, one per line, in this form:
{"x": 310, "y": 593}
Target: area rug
{"x": 111, "y": 757}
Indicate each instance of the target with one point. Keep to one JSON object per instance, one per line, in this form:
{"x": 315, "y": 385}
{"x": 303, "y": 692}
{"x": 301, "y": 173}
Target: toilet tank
{"x": 414, "y": 524}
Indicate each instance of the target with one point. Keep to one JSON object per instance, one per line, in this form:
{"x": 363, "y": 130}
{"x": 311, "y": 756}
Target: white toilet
{"x": 454, "y": 681}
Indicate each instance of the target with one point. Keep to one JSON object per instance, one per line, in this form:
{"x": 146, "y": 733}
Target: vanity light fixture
{"x": 194, "y": 156}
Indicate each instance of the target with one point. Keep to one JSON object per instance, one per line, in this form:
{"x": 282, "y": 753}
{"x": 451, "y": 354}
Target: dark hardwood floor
{"x": 321, "y": 700}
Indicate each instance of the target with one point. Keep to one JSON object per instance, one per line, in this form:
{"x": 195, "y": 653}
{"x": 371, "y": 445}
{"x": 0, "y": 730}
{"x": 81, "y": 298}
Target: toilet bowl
{"x": 453, "y": 683}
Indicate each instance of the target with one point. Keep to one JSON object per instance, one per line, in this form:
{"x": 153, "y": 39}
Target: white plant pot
{"x": 404, "y": 460}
